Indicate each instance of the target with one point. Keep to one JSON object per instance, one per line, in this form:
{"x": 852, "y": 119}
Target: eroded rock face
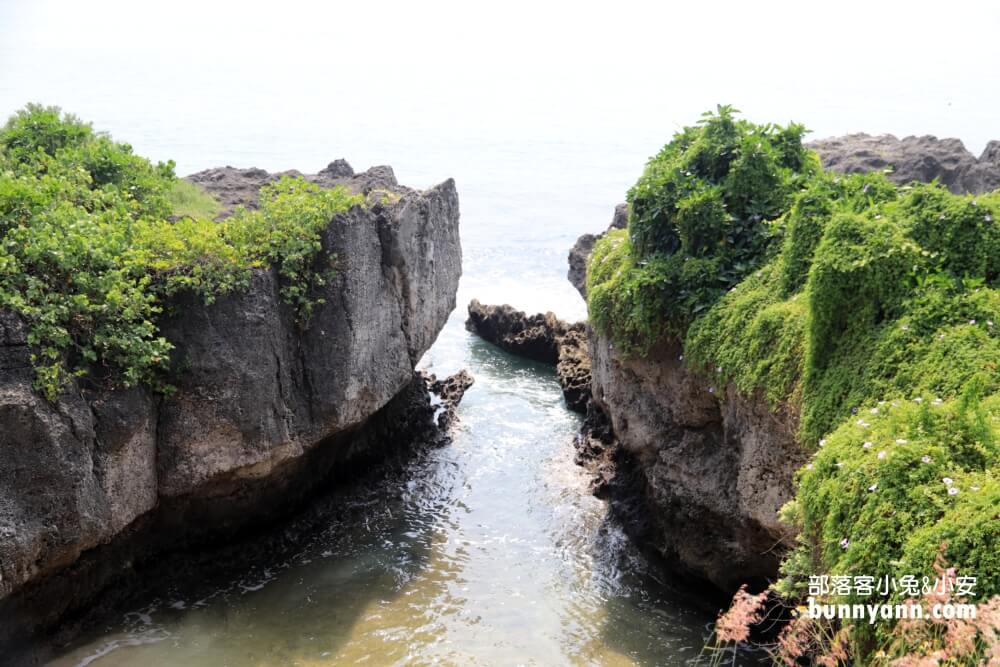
{"x": 449, "y": 392}
{"x": 716, "y": 466}
{"x": 540, "y": 337}
{"x": 914, "y": 159}
{"x": 264, "y": 408}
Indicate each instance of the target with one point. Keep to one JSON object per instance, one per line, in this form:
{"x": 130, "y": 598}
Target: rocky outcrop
{"x": 449, "y": 393}
{"x": 544, "y": 338}
{"x": 914, "y": 159}
{"x": 234, "y": 187}
{"x": 264, "y": 410}
{"x": 697, "y": 470}
{"x": 716, "y": 465}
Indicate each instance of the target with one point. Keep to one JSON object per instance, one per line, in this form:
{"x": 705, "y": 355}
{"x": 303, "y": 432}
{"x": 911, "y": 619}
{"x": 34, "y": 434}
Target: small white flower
{"x": 972, "y": 321}
{"x": 809, "y": 466}
{"x": 873, "y": 486}
{"x": 680, "y": 358}
{"x": 952, "y": 490}
{"x": 988, "y": 218}
{"x": 918, "y": 400}
{"x": 948, "y": 481}
{"x": 867, "y": 445}
{"x": 941, "y": 337}
{"x": 901, "y": 441}
{"x": 822, "y": 442}
{"x": 925, "y": 458}
{"x": 874, "y": 411}
{"x": 881, "y": 454}
{"x": 881, "y": 402}
{"x": 840, "y": 464}
{"x": 973, "y": 488}
{"x": 718, "y": 369}
{"x": 844, "y": 543}
{"x": 905, "y": 327}
{"x": 989, "y": 323}
{"x": 936, "y": 401}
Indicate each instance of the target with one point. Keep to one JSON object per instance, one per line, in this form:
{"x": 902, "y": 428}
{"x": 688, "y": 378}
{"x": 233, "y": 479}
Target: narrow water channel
{"x": 489, "y": 551}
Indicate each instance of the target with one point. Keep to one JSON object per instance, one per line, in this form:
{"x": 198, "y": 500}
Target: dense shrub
{"x": 88, "y": 253}
{"x": 700, "y": 220}
{"x": 870, "y": 308}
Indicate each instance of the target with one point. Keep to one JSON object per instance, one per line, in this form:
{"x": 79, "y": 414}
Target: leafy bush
{"x": 700, "y": 220}
{"x": 812, "y": 210}
{"x": 870, "y": 308}
{"x": 88, "y": 256}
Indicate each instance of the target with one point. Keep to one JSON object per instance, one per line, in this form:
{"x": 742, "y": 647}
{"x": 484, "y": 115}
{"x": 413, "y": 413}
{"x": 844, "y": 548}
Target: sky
{"x": 543, "y": 69}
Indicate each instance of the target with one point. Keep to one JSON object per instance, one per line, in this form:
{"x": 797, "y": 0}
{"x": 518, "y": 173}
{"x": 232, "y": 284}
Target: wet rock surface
{"x": 264, "y": 410}
{"x": 914, "y": 159}
{"x": 541, "y": 337}
{"x": 449, "y": 391}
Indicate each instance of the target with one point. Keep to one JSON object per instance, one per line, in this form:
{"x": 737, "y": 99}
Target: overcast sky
{"x": 901, "y": 67}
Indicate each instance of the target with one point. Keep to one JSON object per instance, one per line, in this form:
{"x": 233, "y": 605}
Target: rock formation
{"x": 264, "y": 409}
{"x": 234, "y": 187}
{"x": 914, "y": 159}
{"x": 716, "y": 465}
{"x": 696, "y": 470}
{"x": 543, "y": 338}
{"x": 449, "y": 392}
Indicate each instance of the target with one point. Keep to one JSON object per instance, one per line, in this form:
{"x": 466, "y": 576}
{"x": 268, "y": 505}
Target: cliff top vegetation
{"x": 95, "y": 239}
{"x": 870, "y": 307}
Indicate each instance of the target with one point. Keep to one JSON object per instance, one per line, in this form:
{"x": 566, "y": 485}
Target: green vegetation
{"x": 88, "y": 254}
{"x": 867, "y": 306}
{"x": 189, "y": 200}
{"x": 701, "y": 219}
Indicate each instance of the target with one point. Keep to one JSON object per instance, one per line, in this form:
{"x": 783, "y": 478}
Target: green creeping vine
{"x": 88, "y": 251}
{"x": 701, "y": 218}
{"x": 872, "y": 308}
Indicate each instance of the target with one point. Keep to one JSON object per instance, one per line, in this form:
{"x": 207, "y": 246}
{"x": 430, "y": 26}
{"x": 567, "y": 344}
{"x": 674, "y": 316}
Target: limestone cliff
{"x": 264, "y": 409}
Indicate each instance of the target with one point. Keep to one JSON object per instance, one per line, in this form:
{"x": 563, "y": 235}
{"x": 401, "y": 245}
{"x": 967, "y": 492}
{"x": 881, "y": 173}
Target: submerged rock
{"x": 264, "y": 410}
{"x": 540, "y": 337}
{"x": 914, "y": 159}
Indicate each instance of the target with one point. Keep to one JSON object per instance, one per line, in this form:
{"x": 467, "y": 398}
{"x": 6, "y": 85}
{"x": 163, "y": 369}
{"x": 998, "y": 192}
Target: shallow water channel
{"x": 489, "y": 551}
